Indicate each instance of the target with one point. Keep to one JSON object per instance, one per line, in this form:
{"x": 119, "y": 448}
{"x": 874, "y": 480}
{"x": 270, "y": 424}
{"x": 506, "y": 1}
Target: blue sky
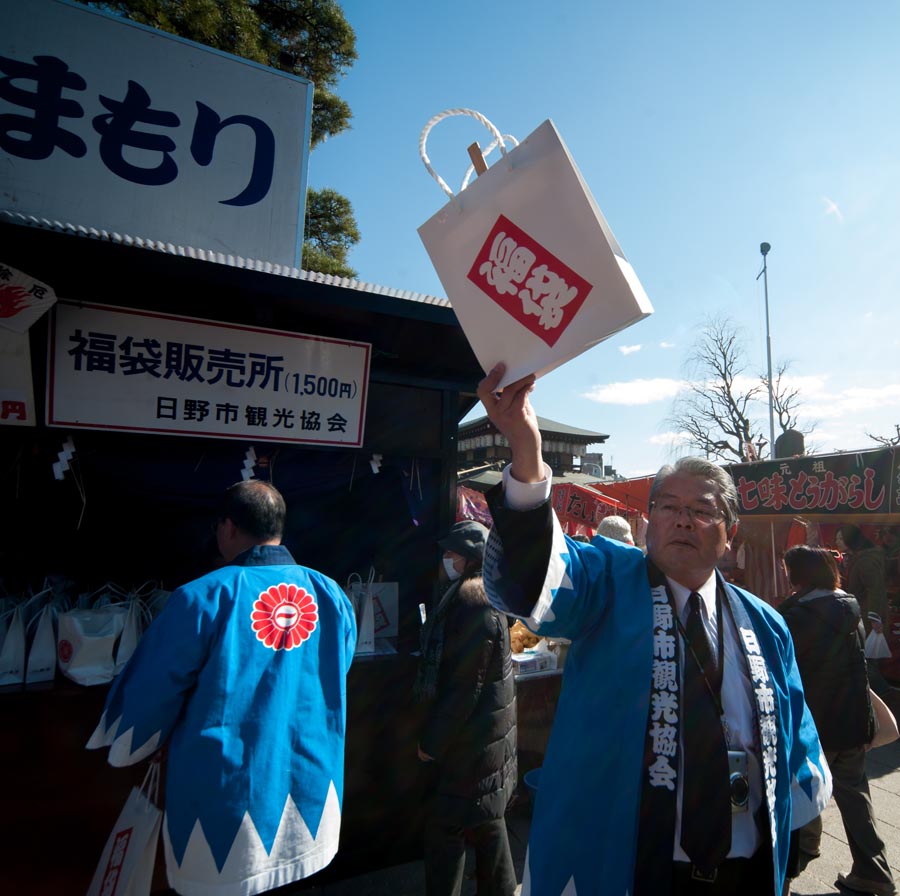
{"x": 702, "y": 130}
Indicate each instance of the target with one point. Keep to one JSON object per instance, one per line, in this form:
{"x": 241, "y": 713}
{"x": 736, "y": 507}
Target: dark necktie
{"x": 706, "y": 801}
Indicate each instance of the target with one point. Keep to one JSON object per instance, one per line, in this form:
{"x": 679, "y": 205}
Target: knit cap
{"x": 467, "y": 538}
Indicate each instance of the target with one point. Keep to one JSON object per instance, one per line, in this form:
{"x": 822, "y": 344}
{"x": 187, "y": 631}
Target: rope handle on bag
{"x": 150, "y": 784}
{"x": 36, "y": 617}
{"x": 141, "y": 611}
{"x": 447, "y": 113}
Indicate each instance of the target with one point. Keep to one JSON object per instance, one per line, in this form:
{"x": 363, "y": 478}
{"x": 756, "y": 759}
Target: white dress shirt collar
{"x": 707, "y": 591}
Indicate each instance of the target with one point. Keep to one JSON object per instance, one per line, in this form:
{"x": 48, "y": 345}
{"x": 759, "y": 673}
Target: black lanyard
{"x": 714, "y": 687}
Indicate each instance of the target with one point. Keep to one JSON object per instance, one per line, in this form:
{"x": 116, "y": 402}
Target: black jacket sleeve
{"x": 527, "y": 539}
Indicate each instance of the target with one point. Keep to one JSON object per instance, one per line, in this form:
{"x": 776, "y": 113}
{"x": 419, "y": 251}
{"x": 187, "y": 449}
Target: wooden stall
{"x": 136, "y": 506}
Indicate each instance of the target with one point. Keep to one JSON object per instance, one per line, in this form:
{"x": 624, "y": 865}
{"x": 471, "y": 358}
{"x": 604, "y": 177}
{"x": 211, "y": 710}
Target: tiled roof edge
{"x": 236, "y": 261}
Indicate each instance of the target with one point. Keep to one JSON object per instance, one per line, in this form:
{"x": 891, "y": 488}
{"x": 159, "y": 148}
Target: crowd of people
{"x": 698, "y": 735}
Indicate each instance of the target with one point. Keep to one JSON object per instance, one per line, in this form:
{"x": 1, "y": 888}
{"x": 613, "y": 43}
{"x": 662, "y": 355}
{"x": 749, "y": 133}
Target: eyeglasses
{"x": 700, "y": 516}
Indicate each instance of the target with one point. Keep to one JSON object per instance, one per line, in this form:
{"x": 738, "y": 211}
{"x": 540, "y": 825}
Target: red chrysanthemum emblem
{"x": 284, "y": 616}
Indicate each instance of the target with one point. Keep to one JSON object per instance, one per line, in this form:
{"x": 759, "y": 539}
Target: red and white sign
{"x": 526, "y": 279}
{"x": 22, "y": 299}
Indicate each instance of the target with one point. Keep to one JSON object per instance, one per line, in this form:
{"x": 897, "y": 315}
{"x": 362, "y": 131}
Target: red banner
{"x": 581, "y": 505}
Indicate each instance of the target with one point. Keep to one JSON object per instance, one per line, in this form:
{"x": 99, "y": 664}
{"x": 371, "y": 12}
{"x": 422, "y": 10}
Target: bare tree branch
{"x": 887, "y": 441}
{"x": 785, "y": 401}
{"x": 717, "y": 411}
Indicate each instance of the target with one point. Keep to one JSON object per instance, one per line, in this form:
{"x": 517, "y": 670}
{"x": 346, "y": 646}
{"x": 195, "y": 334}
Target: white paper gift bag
{"x": 86, "y": 643}
{"x": 877, "y": 646}
{"x": 529, "y": 264}
{"x": 127, "y": 862}
{"x": 41, "y": 664}
{"x": 12, "y": 651}
{"x": 360, "y": 593}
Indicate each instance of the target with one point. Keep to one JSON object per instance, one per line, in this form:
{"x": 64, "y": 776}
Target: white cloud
{"x": 845, "y": 403}
{"x": 831, "y": 208}
{"x": 665, "y": 344}
{"x": 670, "y": 439}
{"x": 629, "y": 349}
{"x": 635, "y": 392}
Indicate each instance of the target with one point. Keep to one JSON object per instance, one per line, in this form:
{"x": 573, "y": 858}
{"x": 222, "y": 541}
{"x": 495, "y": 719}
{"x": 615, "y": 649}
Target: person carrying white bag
{"x": 253, "y": 791}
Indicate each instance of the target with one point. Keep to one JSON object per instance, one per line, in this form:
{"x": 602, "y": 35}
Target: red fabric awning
{"x": 633, "y": 494}
{"x": 582, "y": 504}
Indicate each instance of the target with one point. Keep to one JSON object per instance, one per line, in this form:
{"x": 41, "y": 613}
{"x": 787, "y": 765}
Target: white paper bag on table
{"x": 86, "y": 643}
{"x": 42, "y": 653}
{"x": 12, "y": 650}
{"x": 529, "y": 264}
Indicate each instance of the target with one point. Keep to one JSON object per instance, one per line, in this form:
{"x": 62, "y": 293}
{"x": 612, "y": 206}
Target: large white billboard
{"x": 118, "y": 127}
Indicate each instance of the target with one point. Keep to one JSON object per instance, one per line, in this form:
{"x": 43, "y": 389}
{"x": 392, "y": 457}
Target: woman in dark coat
{"x": 826, "y": 627}
{"x": 469, "y": 731}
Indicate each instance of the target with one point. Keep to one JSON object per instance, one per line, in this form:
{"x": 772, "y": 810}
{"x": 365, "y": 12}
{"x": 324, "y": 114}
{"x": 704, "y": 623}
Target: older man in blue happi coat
{"x": 682, "y": 753}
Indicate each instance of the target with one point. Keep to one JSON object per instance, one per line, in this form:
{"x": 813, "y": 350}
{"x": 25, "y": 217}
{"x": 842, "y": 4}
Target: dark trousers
{"x": 851, "y": 793}
{"x": 735, "y": 877}
{"x": 445, "y": 859}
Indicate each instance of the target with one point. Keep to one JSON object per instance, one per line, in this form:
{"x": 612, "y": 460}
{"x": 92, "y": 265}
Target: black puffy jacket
{"x": 470, "y": 725}
{"x": 829, "y": 640}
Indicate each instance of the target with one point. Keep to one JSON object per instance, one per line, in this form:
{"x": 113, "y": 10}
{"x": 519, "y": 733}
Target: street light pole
{"x": 764, "y": 251}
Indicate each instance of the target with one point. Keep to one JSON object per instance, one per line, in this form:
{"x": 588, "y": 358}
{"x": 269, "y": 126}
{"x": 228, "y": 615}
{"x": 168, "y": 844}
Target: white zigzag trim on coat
{"x": 120, "y": 749}
{"x": 526, "y": 881}
{"x": 803, "y": 809}
{"x": 249, "y": 869}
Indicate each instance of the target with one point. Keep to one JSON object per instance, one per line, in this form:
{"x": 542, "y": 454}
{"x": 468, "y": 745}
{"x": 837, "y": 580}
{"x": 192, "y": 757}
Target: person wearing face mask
{"x": 468, "y": 736}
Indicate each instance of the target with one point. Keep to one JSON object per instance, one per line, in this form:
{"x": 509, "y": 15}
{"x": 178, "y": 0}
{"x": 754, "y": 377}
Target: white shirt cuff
{"x": 526, "y": 495}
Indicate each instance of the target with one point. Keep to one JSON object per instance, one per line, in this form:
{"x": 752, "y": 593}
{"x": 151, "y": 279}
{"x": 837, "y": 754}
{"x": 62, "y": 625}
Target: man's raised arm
{"x": 511, "y": 412}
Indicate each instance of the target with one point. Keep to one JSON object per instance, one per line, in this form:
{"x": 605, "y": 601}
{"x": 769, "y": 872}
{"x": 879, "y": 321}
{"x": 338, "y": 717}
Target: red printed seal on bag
{"x": 528, "y": 281}
{"x": 284, "y": 616}
{"x": 116, "y": 860}
{"x": 65, "y": 651}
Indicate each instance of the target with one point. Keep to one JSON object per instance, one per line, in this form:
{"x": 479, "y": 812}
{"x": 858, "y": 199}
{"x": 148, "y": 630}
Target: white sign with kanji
{"x": 112, "y": 125}
{"x": 141, "y": 371}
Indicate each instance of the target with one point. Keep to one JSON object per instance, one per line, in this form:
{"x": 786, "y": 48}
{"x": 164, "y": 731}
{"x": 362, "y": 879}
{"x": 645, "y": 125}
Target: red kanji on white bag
{"x": 529, "y": 263}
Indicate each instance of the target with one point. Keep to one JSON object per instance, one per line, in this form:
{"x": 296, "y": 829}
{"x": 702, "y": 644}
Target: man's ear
{"x": 729, "y": 535}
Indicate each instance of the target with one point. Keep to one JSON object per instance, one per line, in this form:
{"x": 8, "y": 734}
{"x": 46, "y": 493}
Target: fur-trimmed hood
{"x": 472, "y": 593}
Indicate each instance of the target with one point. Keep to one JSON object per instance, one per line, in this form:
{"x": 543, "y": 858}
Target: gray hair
{"x": 703, "y": 469}
{"x": 617, "y": 528}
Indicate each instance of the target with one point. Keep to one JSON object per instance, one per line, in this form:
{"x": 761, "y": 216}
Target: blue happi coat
{"x": 243, "y": 675}
{"x": 584, "y": 831}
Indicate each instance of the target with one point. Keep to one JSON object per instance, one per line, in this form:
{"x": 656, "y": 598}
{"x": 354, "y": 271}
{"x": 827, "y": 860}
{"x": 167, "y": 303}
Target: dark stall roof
{"x": 404, "y": 327}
